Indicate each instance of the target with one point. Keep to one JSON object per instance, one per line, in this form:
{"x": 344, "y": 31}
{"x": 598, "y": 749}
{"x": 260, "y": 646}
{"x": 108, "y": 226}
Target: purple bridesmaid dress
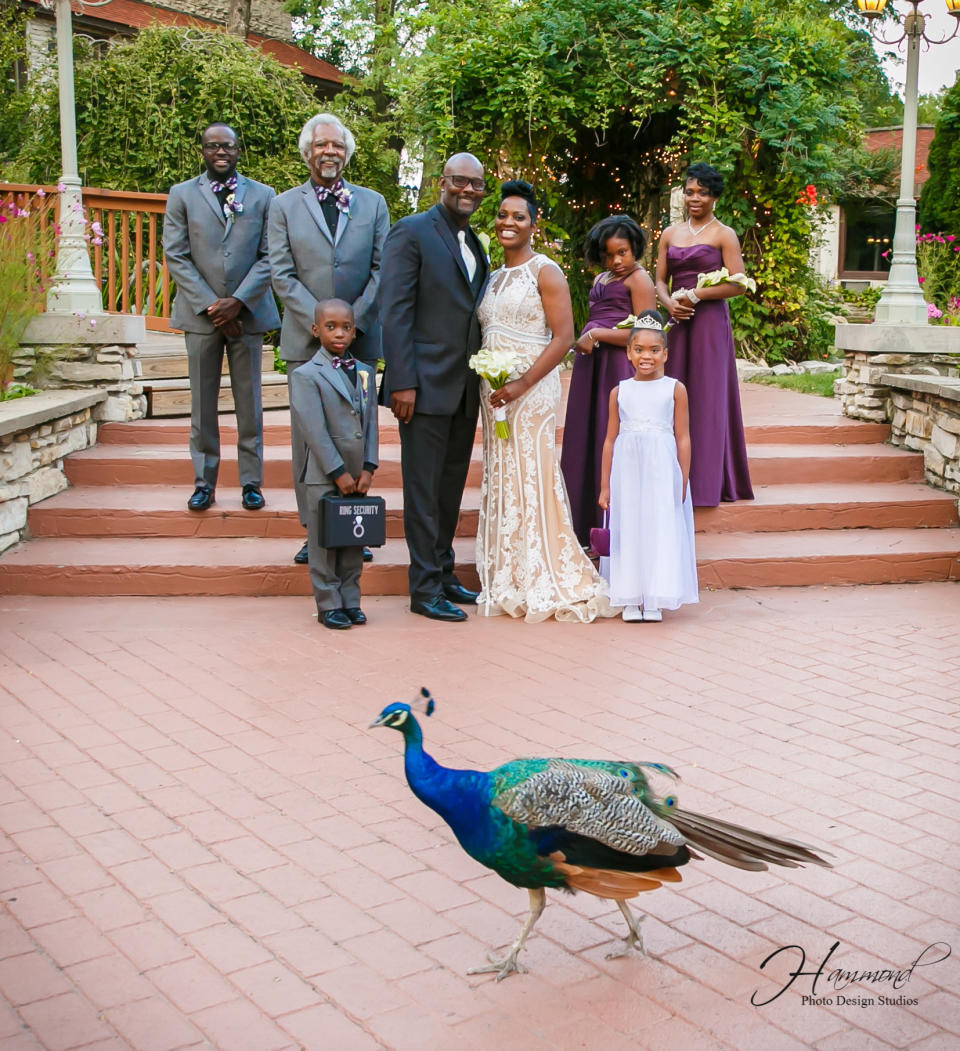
{"x": 702, "y": 358}
{"x": 588, "y": 406}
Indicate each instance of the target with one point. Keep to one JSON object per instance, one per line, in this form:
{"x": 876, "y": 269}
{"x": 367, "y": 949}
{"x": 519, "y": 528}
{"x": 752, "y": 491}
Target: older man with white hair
{"x": 325, "y": 239}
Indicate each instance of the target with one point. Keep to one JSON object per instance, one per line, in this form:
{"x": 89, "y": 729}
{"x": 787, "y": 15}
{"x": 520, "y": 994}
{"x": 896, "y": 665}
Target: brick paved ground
{"x": 201, "y": 844}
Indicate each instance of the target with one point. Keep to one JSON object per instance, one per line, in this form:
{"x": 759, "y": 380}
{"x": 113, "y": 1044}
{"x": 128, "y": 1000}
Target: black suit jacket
{"x": 428, "y": 311}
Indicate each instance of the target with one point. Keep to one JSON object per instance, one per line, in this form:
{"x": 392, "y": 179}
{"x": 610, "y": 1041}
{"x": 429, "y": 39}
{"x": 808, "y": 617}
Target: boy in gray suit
{"x": 333, "y": 401}
{"x": 215, "y": 245}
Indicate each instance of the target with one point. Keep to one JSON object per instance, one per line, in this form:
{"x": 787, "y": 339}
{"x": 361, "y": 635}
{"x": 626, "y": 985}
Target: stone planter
{"x": 873, "y": 352}
{"x": 69, "y": 352}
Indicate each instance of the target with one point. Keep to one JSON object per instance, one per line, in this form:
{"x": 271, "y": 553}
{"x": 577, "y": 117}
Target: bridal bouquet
{"x": 495, "y": 366}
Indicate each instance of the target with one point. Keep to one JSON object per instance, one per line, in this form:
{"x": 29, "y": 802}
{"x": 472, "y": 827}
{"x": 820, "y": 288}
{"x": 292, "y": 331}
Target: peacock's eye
{"x": 669, "y": 801}
{"x": 398, "y": 718}
{"x": 624, "y": 773}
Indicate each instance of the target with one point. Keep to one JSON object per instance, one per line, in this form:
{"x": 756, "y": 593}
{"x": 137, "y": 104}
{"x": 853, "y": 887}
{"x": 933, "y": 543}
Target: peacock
{"x": 575, "y": 824}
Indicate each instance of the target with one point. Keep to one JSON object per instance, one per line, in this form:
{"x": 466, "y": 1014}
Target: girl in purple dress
{"x": 701, "y": 340}
{"x": 624, "y": 288}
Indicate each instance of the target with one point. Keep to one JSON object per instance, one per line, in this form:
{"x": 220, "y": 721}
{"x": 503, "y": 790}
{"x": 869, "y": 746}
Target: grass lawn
{"x": 805, "y": 384}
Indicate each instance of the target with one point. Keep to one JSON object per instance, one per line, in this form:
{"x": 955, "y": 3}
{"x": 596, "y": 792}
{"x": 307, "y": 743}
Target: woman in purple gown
{"x": 616, "y": 243}
{"x": 701, "y": 340}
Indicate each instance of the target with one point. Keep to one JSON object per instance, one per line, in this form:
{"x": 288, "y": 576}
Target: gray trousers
{"x": 205, "y": 360}
{"x": 298, "y": 451}
{"x": 334, "y": 571}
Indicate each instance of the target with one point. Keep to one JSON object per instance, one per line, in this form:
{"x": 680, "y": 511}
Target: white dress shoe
{"x": 652, "y": 614}
{"x": 632, "y": 613}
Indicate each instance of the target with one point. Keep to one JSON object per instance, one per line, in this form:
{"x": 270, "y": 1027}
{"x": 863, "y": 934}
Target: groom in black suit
{"x": 433, "y": 274}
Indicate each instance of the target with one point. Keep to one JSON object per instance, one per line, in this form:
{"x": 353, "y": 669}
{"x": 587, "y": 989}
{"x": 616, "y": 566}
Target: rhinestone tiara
{"x": 648, "y": 322}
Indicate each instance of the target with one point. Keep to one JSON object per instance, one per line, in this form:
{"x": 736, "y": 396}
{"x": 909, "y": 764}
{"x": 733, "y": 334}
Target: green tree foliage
{"x": 601, "y": 105}
{"x": 940, "y": 199}
{"x": 371, "y": 41}
{"x": 142, "y": 106}
{"x": 13, "y": 102}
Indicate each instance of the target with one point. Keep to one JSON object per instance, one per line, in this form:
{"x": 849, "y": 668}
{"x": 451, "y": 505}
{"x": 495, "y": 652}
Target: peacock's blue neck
{"x": 460, "y": 797}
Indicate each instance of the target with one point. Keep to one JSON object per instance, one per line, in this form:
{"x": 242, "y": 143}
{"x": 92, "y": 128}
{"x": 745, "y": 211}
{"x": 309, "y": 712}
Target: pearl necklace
{"x": 696, "y": 233}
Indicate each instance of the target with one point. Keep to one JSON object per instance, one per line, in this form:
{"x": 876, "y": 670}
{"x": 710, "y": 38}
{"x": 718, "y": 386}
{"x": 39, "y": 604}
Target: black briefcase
{"x": 352, "y": 521}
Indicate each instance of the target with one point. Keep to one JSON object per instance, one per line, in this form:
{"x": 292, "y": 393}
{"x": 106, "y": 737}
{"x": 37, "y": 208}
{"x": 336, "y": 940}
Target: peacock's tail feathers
{"x": 742, "y": 847}
{"x": 611, "y": 883}
{"x": 596, "y": 800}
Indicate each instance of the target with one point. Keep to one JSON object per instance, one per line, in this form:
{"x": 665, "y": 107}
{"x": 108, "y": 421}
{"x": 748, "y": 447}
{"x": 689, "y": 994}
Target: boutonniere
{"x": 364, "y": 380}
{"x": 232, "y": 207}
{"x": 484, "y": 240}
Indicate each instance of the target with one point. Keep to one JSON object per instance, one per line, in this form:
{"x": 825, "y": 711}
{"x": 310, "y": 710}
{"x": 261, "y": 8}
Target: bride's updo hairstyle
{"x": 520, "y": 188}
{"x": 708, "y": 177}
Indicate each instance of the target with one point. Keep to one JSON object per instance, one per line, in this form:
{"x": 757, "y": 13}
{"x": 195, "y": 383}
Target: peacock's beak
{"x": 379, "y": 721}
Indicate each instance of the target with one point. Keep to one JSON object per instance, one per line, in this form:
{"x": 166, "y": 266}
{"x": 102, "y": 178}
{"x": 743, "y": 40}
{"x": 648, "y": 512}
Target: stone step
{"x": 160, "y": 511}
{"x": 264, "y": 566}
{"x": 769, "y": 464}
{"x": 276, "y": 431}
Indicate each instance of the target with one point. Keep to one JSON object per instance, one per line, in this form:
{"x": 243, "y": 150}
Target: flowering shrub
{"x": 938, "y": 263}
{"x": 26, "y": 263}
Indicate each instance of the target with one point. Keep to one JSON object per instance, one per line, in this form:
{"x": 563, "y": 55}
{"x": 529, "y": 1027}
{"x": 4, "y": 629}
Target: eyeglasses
{"x": 461, "y": 182}
{"x": 216, "y": 147}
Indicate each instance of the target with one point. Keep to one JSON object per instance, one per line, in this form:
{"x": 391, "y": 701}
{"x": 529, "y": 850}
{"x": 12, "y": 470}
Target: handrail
{"x": 128, "y": 261}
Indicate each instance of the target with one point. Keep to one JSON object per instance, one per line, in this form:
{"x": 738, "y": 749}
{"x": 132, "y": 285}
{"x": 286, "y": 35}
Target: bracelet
{"x": 692, "y": 297}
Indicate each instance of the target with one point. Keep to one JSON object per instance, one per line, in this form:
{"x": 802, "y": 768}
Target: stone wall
{"x": 863, "y": 391}
{"x": 36, "y": 433}
{"x": 926, "y": 418}
{"x": 872, "y": 352}
{"x": 71, "y": 352}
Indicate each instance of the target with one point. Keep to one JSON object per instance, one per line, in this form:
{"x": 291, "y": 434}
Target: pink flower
{"x": 93, "y": 323}
{"x": 932, "y": 311}
{"x": 3, "y": 218}
{"x": 922, "y": 279}
{"x": 951, "y": 237}
{"x": 61, "y": 188}
{"x": 41, "y": 192}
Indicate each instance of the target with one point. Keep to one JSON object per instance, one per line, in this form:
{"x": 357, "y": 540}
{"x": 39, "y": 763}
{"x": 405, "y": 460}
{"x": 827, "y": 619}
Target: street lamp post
{"x": 902, "y": 301}
{"x": 74, "y": 289}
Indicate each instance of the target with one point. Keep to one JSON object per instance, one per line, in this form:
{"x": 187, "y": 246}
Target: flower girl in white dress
{"x": 645, "y": 483}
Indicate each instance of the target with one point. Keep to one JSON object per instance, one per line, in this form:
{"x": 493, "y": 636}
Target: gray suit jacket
{"x": 307, "y": 265}
{"x": 210, "y": 257}
{"x": 338, "y": 420}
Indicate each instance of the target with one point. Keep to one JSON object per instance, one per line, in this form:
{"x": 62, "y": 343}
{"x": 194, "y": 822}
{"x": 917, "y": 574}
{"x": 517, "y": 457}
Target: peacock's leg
{"x": 509, "y": 964}
{"x": 634, "y": 940}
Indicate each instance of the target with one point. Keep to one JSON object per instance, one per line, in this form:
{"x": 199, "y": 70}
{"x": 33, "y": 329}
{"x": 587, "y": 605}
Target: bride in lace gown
{"x": 530, "y": 562}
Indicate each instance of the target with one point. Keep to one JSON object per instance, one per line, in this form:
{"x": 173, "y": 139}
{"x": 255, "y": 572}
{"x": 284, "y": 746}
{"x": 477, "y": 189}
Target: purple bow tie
{"x": 344, "y": 363}
{"x": 338, "y": 192}
{"x": 230, "y": 184}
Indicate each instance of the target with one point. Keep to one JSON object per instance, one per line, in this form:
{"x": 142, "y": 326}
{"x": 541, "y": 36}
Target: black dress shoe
{"x": 334, "y": 618}
{"x": 367, "y": 555}
{"x": 437, "y": 609}
{"x": 302, "y": 557}
{"x": 356, "y": 615}
{"x": 458, "y": 593}
{"x": 252, "y": 498}
{"x": 202, "y": 498}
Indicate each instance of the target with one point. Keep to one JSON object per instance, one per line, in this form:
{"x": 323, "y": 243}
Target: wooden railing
{"x": 127, "y": 253}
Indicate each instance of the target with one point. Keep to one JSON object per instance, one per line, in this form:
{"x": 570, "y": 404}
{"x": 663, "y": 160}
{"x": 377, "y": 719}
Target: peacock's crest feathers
{"x": 603, "y": 801}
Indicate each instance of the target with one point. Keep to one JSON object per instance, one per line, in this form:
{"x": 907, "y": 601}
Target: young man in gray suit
{"x": 434, "y": 275}
{"x": 215, "y": 245}
{"x": 325, "y": 239}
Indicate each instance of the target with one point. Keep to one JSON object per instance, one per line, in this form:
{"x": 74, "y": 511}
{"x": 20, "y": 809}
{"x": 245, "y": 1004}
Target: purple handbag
{"x": 600, "y": 537}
